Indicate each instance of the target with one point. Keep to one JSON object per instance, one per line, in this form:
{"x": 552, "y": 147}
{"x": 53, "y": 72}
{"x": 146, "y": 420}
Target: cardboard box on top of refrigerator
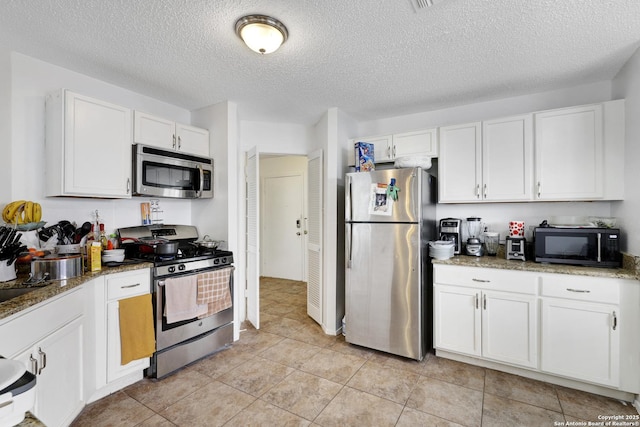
{"x": 364, "y": 157}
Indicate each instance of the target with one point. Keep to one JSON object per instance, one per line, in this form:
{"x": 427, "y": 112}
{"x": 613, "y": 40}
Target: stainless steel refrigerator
{"x": 390, "y": 218}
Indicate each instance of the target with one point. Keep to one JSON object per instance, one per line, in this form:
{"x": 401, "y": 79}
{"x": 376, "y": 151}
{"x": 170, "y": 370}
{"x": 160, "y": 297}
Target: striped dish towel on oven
{"x": 213, "y": 290}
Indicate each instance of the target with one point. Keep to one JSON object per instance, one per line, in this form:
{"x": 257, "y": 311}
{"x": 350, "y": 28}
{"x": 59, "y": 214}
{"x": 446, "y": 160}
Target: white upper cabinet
{"x": 460, "y": 163}
{"x": 558, "y": 155}
{"x": 169, "y": 135}
{"x": 507, "y": 158}
{"x": 579, "y": 153}
{"x": 88, "y": 147}
{"x": 569, "y": 153}
{"x": 419, "y": 143}
{"x": 388, "y": 148}
{"x": 381, "y": 148}
{"x": 488, "y": 161}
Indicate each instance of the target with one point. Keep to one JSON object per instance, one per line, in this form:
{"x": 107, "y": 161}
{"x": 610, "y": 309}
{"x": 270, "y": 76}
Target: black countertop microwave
{"x": 594, "y": 247}
{"x": 166, "y": 173}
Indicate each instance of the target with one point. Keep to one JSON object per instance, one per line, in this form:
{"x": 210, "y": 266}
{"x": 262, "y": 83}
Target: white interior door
{"x": 314, "y": 237}
{"x": 253, "y": 238}
{"x": 282, "y": 227}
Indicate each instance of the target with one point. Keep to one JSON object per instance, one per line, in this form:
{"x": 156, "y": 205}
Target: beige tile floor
{"x": 289, "y": 373}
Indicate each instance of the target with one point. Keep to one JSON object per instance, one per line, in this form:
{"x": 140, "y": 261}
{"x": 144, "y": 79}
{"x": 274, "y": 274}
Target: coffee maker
{"x": 451, "y": 231}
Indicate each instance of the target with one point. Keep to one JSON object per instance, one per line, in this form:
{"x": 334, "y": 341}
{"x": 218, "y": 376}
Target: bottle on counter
{"x": 91, "y": 237}
{"x": 104, "y": 242}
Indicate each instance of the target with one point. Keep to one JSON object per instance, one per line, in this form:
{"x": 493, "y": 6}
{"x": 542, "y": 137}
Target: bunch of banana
{"x": 22, "y": 212}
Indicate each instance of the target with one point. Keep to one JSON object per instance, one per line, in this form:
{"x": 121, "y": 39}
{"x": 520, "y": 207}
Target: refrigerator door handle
{"x": 349, "y": 205}
{"x": 349, "y": 237}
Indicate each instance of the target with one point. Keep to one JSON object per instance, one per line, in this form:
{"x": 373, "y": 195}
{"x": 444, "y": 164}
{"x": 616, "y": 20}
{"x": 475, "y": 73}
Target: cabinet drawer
{"x": 124, "y": 285}
{"x": 26, "y": 328}
{"x": 595, "y": 289}
{"x": 487, "y": 278}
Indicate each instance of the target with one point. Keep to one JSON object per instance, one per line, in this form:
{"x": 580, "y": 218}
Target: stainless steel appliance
{"x": 590, "y": 246}
{"x": 515, "y": 247}
{"x": 180, "y": 343}
{"x": 388, "y": 279}
{"x": 451, "y": 230}
{"x": 474, "y": 244}
{"x": 164, "y": 173}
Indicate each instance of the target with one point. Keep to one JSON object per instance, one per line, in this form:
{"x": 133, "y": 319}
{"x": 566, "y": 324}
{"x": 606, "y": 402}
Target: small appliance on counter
{"x": 491, "y": 242}
{"x": 474, "y": 244}
{"x": 17, "y": 392}
{"x": 515, "y": 247}
{"x": 451, "y": 230}
{"x": 585, "y": 245}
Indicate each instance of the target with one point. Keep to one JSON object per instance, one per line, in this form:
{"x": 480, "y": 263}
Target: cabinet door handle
{"x": 579, "y": 291}
{"x": 179, "y": 142}
{"x": 485, "y": 191}
{"x": 615, "y": 321}
{"x": 34, "y": 365}
{"x": 128, "y": 185}
{"x": 43, "y": 360}
{"x": 174, "y": 140}
{"x": 388, "y": 152}
{"x": 477, "y": 302}
{"x": 394, "y": 152}
{"x": 477, "y": 191}
{"x": 484, "y": 302}
{"x": 539, "y": 189}
{"x": 129, "y": 286}
{"x": 481, "y": 280}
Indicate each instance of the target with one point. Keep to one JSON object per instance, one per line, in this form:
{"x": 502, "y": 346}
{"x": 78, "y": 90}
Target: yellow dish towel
{"x": 137, "y": 337}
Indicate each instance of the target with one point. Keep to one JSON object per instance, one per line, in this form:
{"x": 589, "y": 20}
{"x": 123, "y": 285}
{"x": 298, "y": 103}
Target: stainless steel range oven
{"x": 181, "y": 342}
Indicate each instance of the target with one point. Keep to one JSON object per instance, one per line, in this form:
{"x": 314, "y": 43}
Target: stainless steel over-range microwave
{"x": 166, "y": 173}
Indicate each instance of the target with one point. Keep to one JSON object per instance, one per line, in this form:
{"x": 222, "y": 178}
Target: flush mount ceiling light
{"x": 262, "y": 34}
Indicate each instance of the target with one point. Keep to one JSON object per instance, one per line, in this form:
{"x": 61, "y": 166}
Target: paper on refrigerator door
{"x": 380, "y": 203}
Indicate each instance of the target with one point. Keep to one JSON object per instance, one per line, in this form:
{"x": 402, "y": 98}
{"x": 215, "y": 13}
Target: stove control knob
{"x": 216, "y": 261}
{"x": 172, "y": 269}
{"x": 182, "y": 267}
{"x": 224, "y": 260}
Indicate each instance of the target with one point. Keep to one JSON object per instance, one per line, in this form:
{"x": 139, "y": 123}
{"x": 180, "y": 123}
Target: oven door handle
{"x": 160, "y": 283}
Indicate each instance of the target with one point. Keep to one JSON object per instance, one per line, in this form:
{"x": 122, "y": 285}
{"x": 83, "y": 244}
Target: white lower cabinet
{"x": 57, "y": 362}
{"x": 120, "y": 286}
{"x": 509, "y": 328}
{"x": 457, "y": 320}
{"x": 582, "y": 320}
{"x": 48, "y": 339}
{"x": 581, "y": 340}
{"x": 494, "y": 325}
{"x": 579, "y": 328}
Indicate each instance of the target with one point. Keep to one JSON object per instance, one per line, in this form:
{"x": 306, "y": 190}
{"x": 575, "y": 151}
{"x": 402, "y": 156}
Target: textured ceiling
{"x": 369, "y": 58}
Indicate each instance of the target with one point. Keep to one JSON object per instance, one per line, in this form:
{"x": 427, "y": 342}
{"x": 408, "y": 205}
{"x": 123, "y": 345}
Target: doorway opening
{"x": 283, "y": 217}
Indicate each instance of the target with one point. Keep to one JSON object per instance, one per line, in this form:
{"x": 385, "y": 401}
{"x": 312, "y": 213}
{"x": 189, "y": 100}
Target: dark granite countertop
{"x": 42, "y": 293}
{"x": 629, "y": 270}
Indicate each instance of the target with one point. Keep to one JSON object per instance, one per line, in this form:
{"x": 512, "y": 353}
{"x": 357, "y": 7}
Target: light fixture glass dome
{"x": 261, "y": 33}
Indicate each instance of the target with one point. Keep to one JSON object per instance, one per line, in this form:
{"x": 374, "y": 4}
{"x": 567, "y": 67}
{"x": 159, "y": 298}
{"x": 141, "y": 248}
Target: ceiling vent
{"x": 420, "y": 5}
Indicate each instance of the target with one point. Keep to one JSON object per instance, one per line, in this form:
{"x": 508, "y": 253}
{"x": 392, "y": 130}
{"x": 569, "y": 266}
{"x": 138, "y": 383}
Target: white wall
{"x": 31, "y": 80}
{"x": 627, "y": 85}
{"x": 211, "y": 216}
{"x": 5, "y": 126}
{"x": 275, "y": 138}
{"x": 584, "y": 94}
